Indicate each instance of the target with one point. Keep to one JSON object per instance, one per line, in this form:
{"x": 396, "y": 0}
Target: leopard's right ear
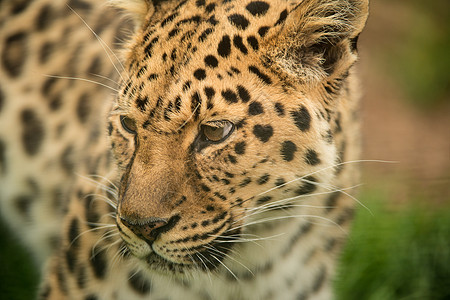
{"x": 138, "y": 10}
{"x": 318, "y": 39}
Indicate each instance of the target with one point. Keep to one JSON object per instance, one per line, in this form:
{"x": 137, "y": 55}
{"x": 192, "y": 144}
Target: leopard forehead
{"x": 196, "y": 59}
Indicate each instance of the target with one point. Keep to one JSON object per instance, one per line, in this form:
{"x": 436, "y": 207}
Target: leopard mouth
{"x": 166, "y": 258}
{"x": 202, "y": 258}
{"x": 207, "y": 260}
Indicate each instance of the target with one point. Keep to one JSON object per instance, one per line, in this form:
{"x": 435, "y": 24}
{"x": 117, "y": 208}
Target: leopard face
{"x": 226, "y": 118}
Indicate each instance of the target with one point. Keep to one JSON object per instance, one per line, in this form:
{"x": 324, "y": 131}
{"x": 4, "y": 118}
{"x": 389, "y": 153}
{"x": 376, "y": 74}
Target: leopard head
{"x": 226, "y": 108}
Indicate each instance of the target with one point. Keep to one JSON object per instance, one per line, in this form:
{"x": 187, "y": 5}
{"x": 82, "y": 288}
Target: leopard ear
{"x": 137, "y": 9}
{"x": 318, "y": 39}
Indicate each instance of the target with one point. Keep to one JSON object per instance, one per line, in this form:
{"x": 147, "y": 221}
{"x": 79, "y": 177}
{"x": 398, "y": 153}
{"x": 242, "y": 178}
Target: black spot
{"x": 92, "y": 217}
{"x": 209, "y": 92}
{"x": 83, "y": 108}
{"x": 224, "y": 47}
{"x": 312, "y": 157}
{"x": 263, "y": 179}
{"x": 61, "y": 277}
{"x": 66, "y": 159}
{"x": 45, "y": 52}
{"x": 263, "y": 132}
{"x": 2, "y": 157}
{"x": 44, "y": 18}
{"x": 346, "y": 215}
{"x": 91, "y": 297}
{"x": 280, "y": 181}
{"x": 186, "y": 86}
{"x": 210, "y": 7}
{"x": 255, "y": 108}
{"x": 282, "y": 18}
{"x": 239, "y": 148}
{"x": 95, "y": 67}
{"x": 2, "y": 97}
{"x": 302, "y": 118}
{"x": 74, "y": 232}
{"x": 253, "y": 42}
{"x": 230, "y": 96}
{"x": 98, "y": 262}
{"x": 169, "y": 19}
{"x": 266, "y": 79}
{"x": 14, "y": 53}
{"x": 319, "y": 280}
{"x": 32, "y": 132}
{"x": 23, "y": 204}
{"x": 262, "y": 31}
{"x": 328, "y": 137}
{"x": 205, "y": 34}
{"x": 173, "y": 33}
{"x": 332, "y": 201}
{"x": 199, "y": 3}
{"x": 211, "y": 61}
{"x": 232, "y": 159}
{"x": 19, "y": 6}
{"x": 196, "y": 102}
{"x": 264, "y": 199}
{"x": 308, "y": 186}
{"x": 79, "y": 5}
{"x": 149, "y": 47}
{"x": 240, "y": 124}
{"x": 239, "y": 21}
{"x": 237, "y": 41}
{"x": 71, "y": 257}
{"x": 245, "y": 182}
{"x": 288, "y": 150}
{"x": 257, "y": 8}
{"x": 139, "y": 284}
{"x": 235, "y": 70}
{"x": 200, "y": 74}
{"x": 243, "y": 93}
{"x": 205, "y": 188}
{"x": 279, "y": 109}
{"x": 212, "y": 20}
{"x": 48, "y": 85}
{"x": 45, "y": 292}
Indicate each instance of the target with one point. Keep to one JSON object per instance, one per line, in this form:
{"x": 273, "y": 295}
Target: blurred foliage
{"x": 18, "y": 276}
{"x": 396, "y": 254}
{"x": 420, "y": 58}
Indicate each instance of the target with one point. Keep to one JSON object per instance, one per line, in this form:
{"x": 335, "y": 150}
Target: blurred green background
{"x": 401, "y": 250}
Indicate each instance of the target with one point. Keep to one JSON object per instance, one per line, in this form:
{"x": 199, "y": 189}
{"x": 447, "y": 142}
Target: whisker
{"x": 106, "y": 78}
{"x": 82, "y": 79}
{"x": 231, "y": 272}
{"x": 251, "y": 240}
{"x": 102, "y": 43}
{"x": 190, "y": 117}
{"x": 324, "y": 169}
{"x": 287, "y": 217}
{"x": 212, "y": 248}
{"x": 105, "y": 178}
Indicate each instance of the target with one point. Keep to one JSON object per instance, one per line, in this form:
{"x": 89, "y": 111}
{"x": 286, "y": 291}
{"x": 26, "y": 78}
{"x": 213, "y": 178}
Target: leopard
{"x": 195, "y": 149}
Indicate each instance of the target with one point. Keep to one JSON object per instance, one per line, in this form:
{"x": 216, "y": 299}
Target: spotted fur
{"x": 212, "y": 159}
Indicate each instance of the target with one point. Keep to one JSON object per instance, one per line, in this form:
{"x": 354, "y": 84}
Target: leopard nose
{"x": 150, "y": 228}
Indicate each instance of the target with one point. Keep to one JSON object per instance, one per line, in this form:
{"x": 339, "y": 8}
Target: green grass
{"x": 397, "y": 254}
{"x": 391, "y": 254}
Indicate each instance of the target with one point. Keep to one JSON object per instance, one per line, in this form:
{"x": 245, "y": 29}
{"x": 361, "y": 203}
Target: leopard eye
{"x": 128, "y": 124}
{"x": 217, "y": 132}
